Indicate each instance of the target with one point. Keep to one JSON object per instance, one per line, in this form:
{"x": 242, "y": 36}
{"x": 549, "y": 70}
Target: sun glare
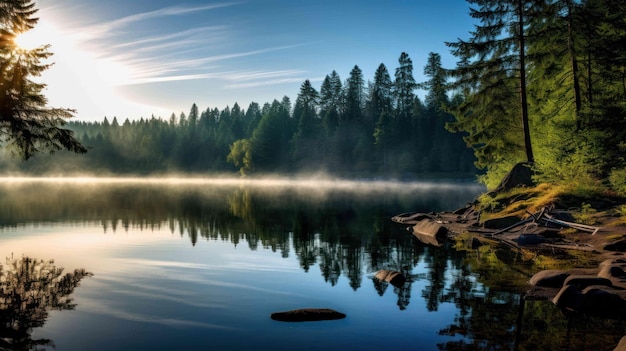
{"x": 80, "y": 78}
{"x": 35, "y": 37}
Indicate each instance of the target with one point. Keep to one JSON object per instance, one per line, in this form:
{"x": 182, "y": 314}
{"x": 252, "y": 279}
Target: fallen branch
{"x": 532, "y": 218}
{"x": 587, "y": 228}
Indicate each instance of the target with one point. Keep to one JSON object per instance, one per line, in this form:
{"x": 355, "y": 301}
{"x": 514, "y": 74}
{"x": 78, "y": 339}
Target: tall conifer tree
{"x": 404, "y": 86}
{"x": 497, "y": 45}
{"x": 354, "y": 96}
{"x": 27, "y": 125}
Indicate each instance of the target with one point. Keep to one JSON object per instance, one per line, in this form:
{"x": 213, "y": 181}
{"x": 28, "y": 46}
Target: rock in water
{"x": 430, "y": 232}
{"x": 394, "y": 278}
{"x": 307, "y": 315}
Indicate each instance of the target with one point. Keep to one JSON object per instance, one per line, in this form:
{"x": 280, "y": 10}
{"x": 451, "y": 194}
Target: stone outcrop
{"x": 520, "y": 176}
{"x": 599, "y": 292}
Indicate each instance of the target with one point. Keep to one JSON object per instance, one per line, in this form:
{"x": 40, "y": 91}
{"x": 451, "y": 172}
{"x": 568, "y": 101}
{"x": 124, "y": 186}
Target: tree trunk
{"x": 572, "y": 52}
{"x": 524, "y": 101}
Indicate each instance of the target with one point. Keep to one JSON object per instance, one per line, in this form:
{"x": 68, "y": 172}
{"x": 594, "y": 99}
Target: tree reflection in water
{"x": 346, "y": 234}
{"x": 29, "y": 288}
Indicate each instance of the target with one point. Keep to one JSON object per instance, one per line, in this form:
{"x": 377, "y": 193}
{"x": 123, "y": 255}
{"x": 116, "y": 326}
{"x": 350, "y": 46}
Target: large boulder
{"x": 599, "y": 292}
{"x": 580, "y": 281}
{"x": 521, "y": 175}
{"x": 550, "y": 278}
{"x": 568, "y": 298}
{"x": 615, "y": 271}
{"x": 430, "y": 232}
{"x": 603, "y": 301}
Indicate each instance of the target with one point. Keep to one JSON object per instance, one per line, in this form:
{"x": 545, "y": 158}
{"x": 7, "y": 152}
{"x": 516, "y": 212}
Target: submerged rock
{"x": 394, "y": 278}
{"x": 307, "y": 315}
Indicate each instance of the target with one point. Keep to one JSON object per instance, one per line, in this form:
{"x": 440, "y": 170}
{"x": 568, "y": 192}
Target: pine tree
{"x": 490, "y": 120}
{"x": 380, "y": 106}
{"x": 381, "y": 93}
{"x": 330, "y": 102}
{"x": 194, "y": 115}
{"x": 353, "y": 97}
{"x": 497, "y": 46}
{"x": 404, "y": 86}
{"x": 306, "y": 110}
{"x": 27, "y": 125}
{"x": 437, "y": 83}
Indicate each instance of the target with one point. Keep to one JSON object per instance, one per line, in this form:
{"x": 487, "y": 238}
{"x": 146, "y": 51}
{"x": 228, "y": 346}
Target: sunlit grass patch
{"x": 586, "y": 214}
{"x": 522, "y": 201}
{"x": 519, "y": 201}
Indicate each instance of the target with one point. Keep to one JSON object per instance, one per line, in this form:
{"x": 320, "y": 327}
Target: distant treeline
{"x": 349, "y": 128}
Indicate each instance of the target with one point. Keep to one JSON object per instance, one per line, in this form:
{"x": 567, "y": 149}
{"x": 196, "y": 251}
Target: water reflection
{"x": 346, "y": 234}
{"x": 340, "y": 226}
{"x": 29, "y": 289}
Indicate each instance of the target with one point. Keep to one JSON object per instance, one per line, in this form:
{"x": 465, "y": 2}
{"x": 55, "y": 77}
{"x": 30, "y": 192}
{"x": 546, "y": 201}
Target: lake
{"x": 200, "y": 264}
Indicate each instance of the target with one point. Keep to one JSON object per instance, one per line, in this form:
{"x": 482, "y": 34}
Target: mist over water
{"x": 26, "y": 199}
{"x": 200, "y": 263}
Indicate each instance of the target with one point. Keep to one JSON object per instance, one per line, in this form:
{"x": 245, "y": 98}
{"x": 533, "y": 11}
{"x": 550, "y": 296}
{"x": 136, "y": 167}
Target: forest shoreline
{"x": 549, "y": 231}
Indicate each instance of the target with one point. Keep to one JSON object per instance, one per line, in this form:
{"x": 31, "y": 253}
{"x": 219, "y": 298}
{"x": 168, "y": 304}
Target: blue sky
{"x": 157, "y": 57}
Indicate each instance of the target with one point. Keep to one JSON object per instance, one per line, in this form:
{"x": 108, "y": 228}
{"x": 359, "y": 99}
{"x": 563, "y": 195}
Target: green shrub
{"x": 617, "y": 178}
{"x": 586, "y": 214}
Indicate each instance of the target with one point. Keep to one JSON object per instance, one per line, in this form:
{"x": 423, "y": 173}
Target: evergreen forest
{"x": 348, "y": 128}
{"x": 536, "y": 81}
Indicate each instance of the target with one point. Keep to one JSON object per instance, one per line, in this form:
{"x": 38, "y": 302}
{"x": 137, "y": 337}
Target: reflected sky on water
{"x": 201, "y": 264}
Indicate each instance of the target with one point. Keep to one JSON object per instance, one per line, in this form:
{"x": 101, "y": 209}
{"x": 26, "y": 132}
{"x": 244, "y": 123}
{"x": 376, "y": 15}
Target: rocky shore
{"x": 554, "y": 228}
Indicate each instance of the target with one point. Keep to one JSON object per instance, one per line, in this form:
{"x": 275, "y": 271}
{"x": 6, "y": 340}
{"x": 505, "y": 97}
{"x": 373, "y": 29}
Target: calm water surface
{"x": 201, "y": 264}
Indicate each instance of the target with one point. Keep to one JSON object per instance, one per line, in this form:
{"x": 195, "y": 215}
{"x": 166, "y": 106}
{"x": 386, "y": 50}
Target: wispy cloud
{"x": 255, "y": 75}
{"x": 106, "y": 29}
{"x": 150, "y": 53}
{"x": 249, "y": 79}
{"x": 172, "y": 39}
{"x": 159, "y": 70}
{"x": 173, "y": 78}
{"x": 247, "y": 53}
{"x": 222, "y": 50}
{"x": 268, "y": 82}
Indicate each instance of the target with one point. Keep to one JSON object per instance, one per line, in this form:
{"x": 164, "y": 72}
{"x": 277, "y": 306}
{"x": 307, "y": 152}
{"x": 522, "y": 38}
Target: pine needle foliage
{"x": 27, "y": 125}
